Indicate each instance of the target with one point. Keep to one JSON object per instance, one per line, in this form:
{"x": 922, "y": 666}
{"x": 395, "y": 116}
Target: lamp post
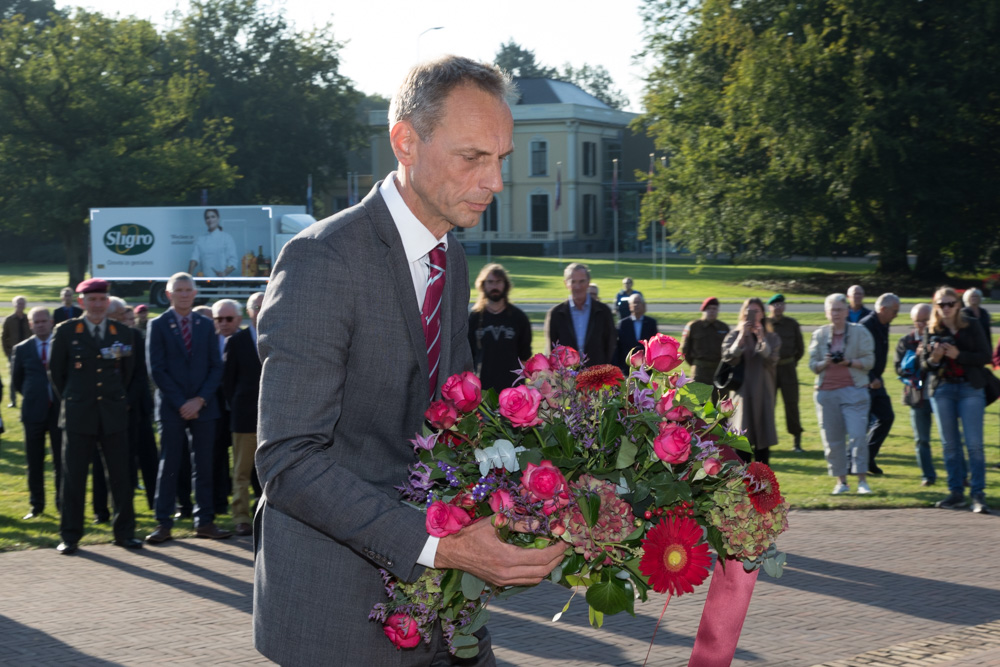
{"x": 437, "y": 27}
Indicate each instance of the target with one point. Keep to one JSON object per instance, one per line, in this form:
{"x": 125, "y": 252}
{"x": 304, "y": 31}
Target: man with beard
{"x": 499, "y": 332}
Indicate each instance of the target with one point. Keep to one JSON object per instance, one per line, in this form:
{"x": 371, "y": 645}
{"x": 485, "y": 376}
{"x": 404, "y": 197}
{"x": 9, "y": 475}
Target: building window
{"x": 539, "y": 158}
{"x": 489, "y": 218}
{"x": 589, "y": 214}
{"x": 612, "y": 151}
{"x": 589, "y": 158}
{"x": 539, "y": 213}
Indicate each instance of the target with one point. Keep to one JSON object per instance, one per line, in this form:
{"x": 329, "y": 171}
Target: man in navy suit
{"x": 68, "y": 310}
{"x": 633, "y": 330}
{"x": 183, "y": 356}
{"x": 39, "y": 407}
{"x": 241, "y": 386}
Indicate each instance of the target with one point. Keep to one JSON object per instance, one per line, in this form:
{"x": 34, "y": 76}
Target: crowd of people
{"x": 90, "y": 383}
{"x": 93, "y": 378}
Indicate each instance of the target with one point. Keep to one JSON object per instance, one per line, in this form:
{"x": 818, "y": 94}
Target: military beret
{"x": 710, "y": 301}
{"x": 93, "y": 285}
{"x": 141, "y": 308}
{"x": 777, "y": 298}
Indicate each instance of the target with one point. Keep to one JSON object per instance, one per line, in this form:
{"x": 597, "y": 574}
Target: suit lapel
{"x": 174, "y": 328}
{"x": 399, "y": 268}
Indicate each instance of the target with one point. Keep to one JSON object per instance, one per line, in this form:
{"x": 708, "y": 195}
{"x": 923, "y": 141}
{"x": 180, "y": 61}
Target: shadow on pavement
{"x": 23, "y": 645}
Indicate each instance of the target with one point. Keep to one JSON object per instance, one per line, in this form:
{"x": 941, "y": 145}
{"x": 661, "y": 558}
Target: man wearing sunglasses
{"x": 227, "y": 316}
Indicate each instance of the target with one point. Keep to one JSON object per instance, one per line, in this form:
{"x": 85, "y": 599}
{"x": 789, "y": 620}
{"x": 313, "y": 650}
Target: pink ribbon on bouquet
{"x": 722, "y": 618}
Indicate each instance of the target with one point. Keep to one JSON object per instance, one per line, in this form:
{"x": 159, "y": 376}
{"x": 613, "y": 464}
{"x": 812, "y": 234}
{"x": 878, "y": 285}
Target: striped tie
{"x": 186, "y": 333}
{"x": 431, "y": 314}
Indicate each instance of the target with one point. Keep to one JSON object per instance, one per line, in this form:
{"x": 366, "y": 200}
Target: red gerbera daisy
{"x": 597, "y": 377}
{"x": 762, "y": 487}
{"x": 672, "y": 558}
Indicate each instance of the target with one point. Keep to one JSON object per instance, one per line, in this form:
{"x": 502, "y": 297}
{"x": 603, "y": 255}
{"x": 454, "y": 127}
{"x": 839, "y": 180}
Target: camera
{"x": 837, "y": 357}
{"x": 942, "y": 339}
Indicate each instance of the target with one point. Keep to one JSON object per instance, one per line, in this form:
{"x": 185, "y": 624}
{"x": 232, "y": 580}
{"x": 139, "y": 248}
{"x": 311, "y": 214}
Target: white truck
{"x": 228, "y": 249}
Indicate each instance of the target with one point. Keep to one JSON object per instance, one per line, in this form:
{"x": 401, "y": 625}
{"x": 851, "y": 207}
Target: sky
{"x": 383, "y": 38}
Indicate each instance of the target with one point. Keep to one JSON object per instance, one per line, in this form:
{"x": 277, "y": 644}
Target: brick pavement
{"x": 862, "y": 588}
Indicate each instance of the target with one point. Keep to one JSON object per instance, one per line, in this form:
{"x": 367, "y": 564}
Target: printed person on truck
{"x": 215, "y": 252}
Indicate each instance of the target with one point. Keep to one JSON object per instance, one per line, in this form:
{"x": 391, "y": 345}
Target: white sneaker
{"x": 839, "y": 489}
{"x": 863, "y": 488}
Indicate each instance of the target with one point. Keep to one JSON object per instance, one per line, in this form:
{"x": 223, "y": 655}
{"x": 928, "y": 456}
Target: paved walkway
{"x": 865, "y": 587}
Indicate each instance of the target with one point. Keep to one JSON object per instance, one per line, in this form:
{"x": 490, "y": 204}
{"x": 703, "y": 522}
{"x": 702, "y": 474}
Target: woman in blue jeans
{"x": 955, "y": 353}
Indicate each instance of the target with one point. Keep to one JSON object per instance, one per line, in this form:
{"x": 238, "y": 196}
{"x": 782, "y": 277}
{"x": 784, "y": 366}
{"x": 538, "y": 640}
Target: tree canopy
{"x": 94, "y": 112}
{"x": 798, "y": 128}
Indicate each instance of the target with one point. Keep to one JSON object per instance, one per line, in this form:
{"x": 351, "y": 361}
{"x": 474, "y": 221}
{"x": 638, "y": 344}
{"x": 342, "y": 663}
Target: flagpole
{"x": 652, "y": 226}
{"x": 558, "y": 202}
{"x": 614, "y": 204}
{"x": 663, "y": 275}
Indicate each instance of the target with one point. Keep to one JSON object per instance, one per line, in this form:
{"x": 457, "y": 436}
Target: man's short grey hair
{"x": 568, "y": 271}
{"x": 636, "y": 298}
{"x": 221, "y": 303}
{"x": 855, "y": 288}
{"x": 37, "y": 310}
{"x": 833, "y": 299}
{"x": 919, "y": 308}
{"x": 254, "y": 302}
{"x": 179, "y": 277}
{"x": 116, "y": 304}
{"x": 969, "y": 293}
{"x": 420, "y": 98}
{"x": 887, "y": 300}
{"x": 18, "y": 298}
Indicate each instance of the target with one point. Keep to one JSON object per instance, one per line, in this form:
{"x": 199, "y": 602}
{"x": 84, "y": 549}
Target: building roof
{"x": 550, "y": 91}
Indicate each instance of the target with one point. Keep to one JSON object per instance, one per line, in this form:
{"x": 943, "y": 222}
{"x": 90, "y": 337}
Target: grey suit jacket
{"x": 343, "y": 389}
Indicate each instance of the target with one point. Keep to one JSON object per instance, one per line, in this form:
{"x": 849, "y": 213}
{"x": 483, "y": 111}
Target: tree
{"x": 293, "y": 112}
{"x": 792, "y": 128}
{"x": 94, "y": 113}
{"x": 597, "y": 81}
{"x": 33, "y": 11}
{"x": 520, "y": 62}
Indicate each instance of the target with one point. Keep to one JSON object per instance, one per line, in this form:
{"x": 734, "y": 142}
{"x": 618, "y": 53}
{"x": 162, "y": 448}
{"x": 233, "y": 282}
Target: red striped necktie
{"x": 431, "y": 314}
{"x": 186, "y": 333}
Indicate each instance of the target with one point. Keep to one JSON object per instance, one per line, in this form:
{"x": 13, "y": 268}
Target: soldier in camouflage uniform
{"x": 702, "y": 343}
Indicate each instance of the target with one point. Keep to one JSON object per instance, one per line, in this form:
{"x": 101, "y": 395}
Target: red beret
{"x": 710, "y": 301}
{"x": 141, "y": 308}
{"x": 92, "y": 285}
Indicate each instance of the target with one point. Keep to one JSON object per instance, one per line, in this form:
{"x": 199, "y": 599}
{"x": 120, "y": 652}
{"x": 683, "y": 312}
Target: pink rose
{"x": 444, "y": 519}
{"x": 501, "y": 500}
{"x": 665, "y": 403}
{"x": 726, "y": 407}
{"x": 637, "y": 359}
{"x": 679, "y": 414}
{"x": 673, "y": 444}
{"x": 401, "y": 630}
{"x": 464, "y": 391}
{"x": 537, "y": 363}
{"x": 520, "y": 405}
{"x": 441, "y": 414}
{"x": 712, "y": 466}
{"x": 662, "y": 352}
{"x": 546, "y": 483}
{"x": 564, "y": 357}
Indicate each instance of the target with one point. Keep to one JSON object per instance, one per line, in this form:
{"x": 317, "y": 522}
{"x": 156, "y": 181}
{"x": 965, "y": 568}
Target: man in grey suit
{"x": 344, "y": 388}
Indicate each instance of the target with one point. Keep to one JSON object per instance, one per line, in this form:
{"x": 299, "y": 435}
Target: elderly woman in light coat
{"x": 840, "y": 354}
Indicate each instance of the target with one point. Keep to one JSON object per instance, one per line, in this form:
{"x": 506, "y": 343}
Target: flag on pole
{"x": 350, "y": 189}
{"x": 558, "y": 185}
{"x": 204, "y": 197}
{"x": 309, "y": 195}
{"x": 649, "y": 183}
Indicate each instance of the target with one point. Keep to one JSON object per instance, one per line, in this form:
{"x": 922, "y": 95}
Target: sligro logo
{"x": 128, "y": 239}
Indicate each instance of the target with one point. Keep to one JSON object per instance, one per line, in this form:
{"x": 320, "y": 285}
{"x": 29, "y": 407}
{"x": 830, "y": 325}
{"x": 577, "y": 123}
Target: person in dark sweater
{"x": 499, "y": 332}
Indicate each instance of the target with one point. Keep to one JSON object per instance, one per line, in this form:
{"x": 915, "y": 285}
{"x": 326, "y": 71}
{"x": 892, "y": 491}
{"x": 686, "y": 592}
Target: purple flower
{"x": 643, "y": 399}
{"x": 425, "y": 442}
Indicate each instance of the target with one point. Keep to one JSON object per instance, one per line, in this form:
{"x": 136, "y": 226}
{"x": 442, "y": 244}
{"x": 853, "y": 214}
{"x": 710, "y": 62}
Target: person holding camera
{"x": 841, "y": 354}
{"x": 754, "y": 344}
{"x": 955, "y": 353}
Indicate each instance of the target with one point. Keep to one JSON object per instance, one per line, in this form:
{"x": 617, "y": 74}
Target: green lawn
{"x": 803, "y": 476}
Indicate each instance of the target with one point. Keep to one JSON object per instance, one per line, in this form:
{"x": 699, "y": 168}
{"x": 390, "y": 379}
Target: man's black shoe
{"x": 66, "y": 548}
{"x": 874, "y": 469}
{"x": 952, "y": 502}
{"x": 130, "y": 543}
{"x": 979, "y": 504}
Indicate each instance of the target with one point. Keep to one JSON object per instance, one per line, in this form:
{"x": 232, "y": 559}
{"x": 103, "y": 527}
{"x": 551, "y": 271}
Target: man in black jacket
{"x": 582, "y": 322}
{"x": 880, "y": 414}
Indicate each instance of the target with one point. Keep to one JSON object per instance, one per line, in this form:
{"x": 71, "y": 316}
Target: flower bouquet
{"x": 636, "y": 475}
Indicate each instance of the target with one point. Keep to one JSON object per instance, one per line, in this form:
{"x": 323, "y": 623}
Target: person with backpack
{"x": 914, "y": 378}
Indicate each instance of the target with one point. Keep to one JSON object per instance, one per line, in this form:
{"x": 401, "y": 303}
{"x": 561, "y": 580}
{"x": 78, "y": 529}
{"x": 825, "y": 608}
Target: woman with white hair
{"x": 972, "y": 298}
{"x": 840, "y": 354}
